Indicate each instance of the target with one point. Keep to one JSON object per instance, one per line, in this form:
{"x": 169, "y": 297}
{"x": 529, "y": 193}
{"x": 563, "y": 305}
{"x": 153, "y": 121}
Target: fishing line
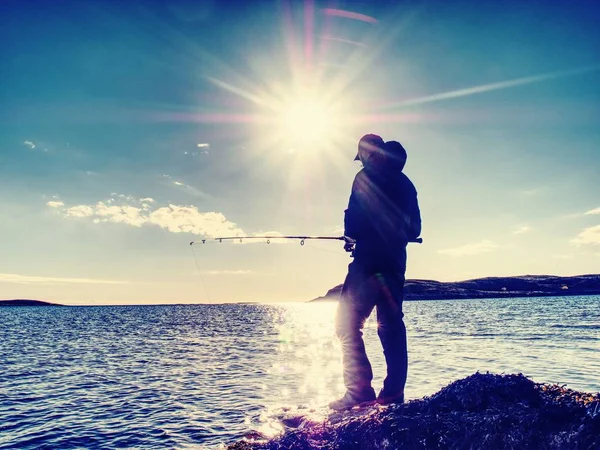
{"x": 316, "y": 247}
{"x": 200, "y": 273}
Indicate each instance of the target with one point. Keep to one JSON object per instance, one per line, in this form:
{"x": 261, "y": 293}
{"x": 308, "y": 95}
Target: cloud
{"x": 522, "y": 229}
{"x": 204, "y": 145}
{"x": 32, "y": 145}
{"x": 79, "y": 211}
{"x": 30, "y": 279}
{"x": 130, "y": 215}
{"x": 349, "y": 15}
{"x": 229, "y": 272}
{"x": 470, "y": 249}
{"x": 187, "y": 188}
{"x": 187, "y": 219}
{"x": 141, "y": 212}
{"x": 192, "y": 190}
{"x": 55, "y": 204}
{"x": 593, "y": 211}
{"x": 589, "y": 235}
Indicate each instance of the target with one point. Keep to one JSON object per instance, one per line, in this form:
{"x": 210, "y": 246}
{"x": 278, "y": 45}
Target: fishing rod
{"x": 346, "y": 239}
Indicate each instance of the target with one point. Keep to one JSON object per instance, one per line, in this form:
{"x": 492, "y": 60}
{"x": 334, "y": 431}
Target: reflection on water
{"x": 183, "y": 376}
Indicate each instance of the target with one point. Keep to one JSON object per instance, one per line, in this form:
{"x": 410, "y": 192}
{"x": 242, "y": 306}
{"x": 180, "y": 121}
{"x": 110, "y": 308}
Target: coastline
{"x": 26, "y": 302}
{"x": 492, "y": 287}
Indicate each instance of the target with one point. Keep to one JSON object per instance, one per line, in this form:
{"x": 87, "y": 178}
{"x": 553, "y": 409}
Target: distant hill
{"x": 23, "y": 302}
{"x": 493, "y": 287}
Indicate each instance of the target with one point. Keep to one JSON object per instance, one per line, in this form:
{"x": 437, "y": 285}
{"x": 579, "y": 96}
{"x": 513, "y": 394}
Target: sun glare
{"x": 308, "y": 122}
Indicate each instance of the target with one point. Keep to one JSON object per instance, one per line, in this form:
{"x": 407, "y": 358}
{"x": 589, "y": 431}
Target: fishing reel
{"x": 349, "y": 245}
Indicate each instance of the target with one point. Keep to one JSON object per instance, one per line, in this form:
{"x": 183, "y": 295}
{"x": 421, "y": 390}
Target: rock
{"x": 478, "y": 412}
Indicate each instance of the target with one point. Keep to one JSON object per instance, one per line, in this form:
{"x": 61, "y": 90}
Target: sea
{"x": 204, "y": 376}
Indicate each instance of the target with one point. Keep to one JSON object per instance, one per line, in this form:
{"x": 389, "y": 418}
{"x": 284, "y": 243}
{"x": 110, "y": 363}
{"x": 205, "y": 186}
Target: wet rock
{"x": 483, "y": 411}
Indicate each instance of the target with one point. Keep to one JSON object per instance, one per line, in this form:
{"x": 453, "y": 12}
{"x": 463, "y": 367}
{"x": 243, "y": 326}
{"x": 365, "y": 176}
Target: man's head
{"x": 367, "y": 146}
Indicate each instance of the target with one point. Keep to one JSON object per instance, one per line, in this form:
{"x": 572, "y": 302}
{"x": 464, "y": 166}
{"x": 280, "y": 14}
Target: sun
{"x": 308, "y": 122}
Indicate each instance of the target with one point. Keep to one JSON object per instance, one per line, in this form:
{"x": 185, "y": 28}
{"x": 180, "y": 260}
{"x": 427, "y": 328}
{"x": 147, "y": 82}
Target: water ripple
{"x": 204, "y": 375}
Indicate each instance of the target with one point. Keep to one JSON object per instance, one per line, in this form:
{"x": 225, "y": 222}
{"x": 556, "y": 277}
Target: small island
{"x": 492, "y": 287}
{"x": 25, "y": 302}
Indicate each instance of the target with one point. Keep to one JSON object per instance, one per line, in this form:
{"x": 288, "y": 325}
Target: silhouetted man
{"x": 382, "y": 217}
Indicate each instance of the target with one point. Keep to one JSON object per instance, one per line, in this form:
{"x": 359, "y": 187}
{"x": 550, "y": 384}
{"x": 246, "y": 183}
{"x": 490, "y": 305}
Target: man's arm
{"x": 414, "y": 227}
{"x": 353, "y": 216}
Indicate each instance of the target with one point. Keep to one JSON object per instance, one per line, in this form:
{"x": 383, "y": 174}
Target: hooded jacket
{"x": 383, "y": 213}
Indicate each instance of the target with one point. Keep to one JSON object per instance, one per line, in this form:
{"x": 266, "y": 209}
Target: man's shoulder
{"x": 405, "y": 181}
{"x": 360, "y": 178}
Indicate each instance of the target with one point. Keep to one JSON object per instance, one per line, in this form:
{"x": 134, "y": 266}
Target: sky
{"x": 130, "y": 129}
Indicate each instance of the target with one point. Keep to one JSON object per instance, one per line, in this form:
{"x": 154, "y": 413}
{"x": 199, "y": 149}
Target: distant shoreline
{"x": 524, "y": 286}
{"x": 25, "y": 302}
{"x": 492, "y": 287}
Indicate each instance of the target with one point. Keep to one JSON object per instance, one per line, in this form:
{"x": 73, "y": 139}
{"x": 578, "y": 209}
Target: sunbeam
{"x": 493, "y": 87}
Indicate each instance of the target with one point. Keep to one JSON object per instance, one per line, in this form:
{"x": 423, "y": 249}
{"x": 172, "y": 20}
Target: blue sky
{"x": 129, "y": 129}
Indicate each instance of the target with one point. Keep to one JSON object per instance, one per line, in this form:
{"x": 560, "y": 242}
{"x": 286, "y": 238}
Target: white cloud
{"x": 129, "y": 215}
{"x": 30, "y": 279}
{"x": 589, "y": 235}
{"x": 593, "y": 211}
{"x": 79, "y": 211}
{"x": 55, "y": 204}
{"x": 192, "y": 190}
{"x": 522, "y": 229}
{"x": 187, "y": 219}
{"x": 204, "y": 145}
{"x": 173, "y": 218}
{"x": 229, "y": 272}
{"x": 29, "y": 144}
{"x": 470, "y": 249}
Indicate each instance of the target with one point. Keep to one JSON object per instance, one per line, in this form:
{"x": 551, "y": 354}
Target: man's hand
{"x": 349, "y": 244}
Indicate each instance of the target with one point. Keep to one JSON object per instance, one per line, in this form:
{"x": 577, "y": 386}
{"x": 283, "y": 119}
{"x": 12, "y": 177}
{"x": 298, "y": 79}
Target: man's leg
{"x": 392, "y": 333}
{"x": 355, "y": 306}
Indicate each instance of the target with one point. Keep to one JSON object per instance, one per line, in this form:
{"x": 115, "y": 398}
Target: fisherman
{"x": 382, "y": 217}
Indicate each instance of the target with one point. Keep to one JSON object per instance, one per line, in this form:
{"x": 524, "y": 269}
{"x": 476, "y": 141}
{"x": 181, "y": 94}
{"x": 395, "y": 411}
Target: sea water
{"x": 202, "y": 376}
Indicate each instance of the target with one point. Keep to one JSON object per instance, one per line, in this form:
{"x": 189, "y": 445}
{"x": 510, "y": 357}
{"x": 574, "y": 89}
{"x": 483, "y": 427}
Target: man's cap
{"x": 368, "y": 143}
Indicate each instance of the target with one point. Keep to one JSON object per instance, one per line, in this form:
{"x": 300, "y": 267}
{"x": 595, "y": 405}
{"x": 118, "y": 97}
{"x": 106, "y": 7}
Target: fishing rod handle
{"x": 349, "y": 240}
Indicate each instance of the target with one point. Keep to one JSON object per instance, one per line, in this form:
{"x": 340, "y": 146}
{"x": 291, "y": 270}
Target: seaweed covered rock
{"x": 483, "y": 411}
